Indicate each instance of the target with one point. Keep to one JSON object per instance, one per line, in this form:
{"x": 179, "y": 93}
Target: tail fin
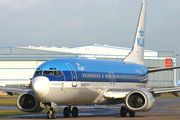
{"x": 137, "y": 53}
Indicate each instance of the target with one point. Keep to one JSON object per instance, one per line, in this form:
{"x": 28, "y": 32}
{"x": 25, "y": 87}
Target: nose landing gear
{"x": 51, "y": 114}
{"x": 68, "y": 110}
{"x": 50, "y": 106}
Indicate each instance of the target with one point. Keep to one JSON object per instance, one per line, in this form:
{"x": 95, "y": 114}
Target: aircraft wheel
{"x": 48, "y": 115}
{"x": 66, "y": 112}
{"x": 123, "y": 111}
{"x": 131, "y": 114}
{"x": 53, "y": 114}
{"x": 75, "y": 112}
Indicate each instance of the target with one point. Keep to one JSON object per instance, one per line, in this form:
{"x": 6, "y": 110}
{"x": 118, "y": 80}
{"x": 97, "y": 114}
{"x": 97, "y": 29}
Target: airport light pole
{"x": 177, "y": 69}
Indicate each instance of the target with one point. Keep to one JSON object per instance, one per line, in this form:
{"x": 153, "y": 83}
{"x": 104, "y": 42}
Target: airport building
{"x": 18, "y": 64}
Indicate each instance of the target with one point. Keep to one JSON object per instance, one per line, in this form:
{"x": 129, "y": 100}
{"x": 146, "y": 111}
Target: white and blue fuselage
{"x": 72, "y": 81}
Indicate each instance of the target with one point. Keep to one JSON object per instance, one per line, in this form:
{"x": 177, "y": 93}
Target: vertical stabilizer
{"x": 137, "y": 53}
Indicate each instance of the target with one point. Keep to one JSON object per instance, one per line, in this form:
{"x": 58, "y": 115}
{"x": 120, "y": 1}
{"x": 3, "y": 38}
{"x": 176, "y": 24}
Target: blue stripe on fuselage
{"x": 99, "y": 77}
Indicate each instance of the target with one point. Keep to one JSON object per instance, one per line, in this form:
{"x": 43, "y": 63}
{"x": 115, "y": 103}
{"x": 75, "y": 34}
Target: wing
{"x": 11, "y": 90}
{"x": 162, "y": 69}
{"x": 140, "y": 99}
{"x": 174, "y": 90}
{"x": 156, "y": 92}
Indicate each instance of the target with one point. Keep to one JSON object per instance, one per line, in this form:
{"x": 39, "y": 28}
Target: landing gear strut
{"x": 51, "y": 114}
{"x": 124, "y": 111}
{"x": 51, "y": 106}
{"x": 68, "y": 110}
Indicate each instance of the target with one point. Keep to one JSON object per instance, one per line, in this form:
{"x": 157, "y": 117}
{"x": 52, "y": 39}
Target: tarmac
{"x": 165, "y": 108}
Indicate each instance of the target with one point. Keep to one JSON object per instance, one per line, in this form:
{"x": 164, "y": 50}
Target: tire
{"x": 66, "y": 112}
{"x": 75, "y": 112}
{"x": 131, "y": 114}
{"x": 53, "y": 115}
{"x": 48, "y": 115}
{"x": 123, "y": 111}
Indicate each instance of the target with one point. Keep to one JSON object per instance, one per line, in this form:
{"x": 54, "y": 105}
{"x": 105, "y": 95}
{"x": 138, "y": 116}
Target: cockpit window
{"x": 38, "y": 73}
{"x": 48, "y": 72}
{"x": 56, "y": 73}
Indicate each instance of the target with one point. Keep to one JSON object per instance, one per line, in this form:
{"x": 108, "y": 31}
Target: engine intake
{"x": 140, "y": 100}
{"x": 28, "y": 102}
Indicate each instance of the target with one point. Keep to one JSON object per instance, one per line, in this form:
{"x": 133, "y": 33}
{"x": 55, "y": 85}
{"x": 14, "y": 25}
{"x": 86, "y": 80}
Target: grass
{"x": 165, "y": 95}
{"x": 13, "y": 102}
{"x": 8, "y": 101}
{"x": 8, "y": 96}
{"x": 18, "y": 112}
{"x": 12, "y": 112}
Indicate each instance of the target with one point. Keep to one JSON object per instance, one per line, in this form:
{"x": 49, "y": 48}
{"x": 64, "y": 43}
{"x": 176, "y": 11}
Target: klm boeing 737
{"x": 73, "y": 82}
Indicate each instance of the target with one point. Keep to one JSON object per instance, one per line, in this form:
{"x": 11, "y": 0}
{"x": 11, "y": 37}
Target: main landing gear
{"x": 124, "y": 111}
{"x": 68, "y": 110}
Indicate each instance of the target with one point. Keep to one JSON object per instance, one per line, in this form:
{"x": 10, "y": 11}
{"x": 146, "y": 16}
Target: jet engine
{"x": 28, "y": 102}
{"x": 140, "y": 100}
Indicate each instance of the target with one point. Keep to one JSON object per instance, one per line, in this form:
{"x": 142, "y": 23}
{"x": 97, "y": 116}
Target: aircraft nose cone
{"x": 40, "y": 86}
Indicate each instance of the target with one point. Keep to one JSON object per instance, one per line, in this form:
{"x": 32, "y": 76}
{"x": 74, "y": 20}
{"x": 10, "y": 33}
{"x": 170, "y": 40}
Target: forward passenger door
{"x": 73, "y": 74}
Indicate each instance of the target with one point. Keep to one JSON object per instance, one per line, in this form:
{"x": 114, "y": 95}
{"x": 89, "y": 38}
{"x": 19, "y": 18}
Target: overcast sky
{"x": 68, "y": 23}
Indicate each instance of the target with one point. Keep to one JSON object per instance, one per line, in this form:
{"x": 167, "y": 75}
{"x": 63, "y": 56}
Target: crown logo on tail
{"x": 140, "y": 40}
{"x": 141, "y": 32}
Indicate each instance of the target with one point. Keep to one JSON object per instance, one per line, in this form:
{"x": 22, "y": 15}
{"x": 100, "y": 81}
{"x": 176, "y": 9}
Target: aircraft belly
{"x": 85, "y": 92}
{"x": 85, "y": 96}
{"x": 60, "y": 97}
{"x": 69, "y": 95}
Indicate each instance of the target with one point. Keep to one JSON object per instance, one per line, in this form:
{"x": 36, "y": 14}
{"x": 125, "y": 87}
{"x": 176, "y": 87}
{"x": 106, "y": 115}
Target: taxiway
{"x": 165, "y": 108}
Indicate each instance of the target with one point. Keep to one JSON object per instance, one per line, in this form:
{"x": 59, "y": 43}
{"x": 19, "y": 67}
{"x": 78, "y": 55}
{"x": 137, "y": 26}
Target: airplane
{"x": 75, "y": 81}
